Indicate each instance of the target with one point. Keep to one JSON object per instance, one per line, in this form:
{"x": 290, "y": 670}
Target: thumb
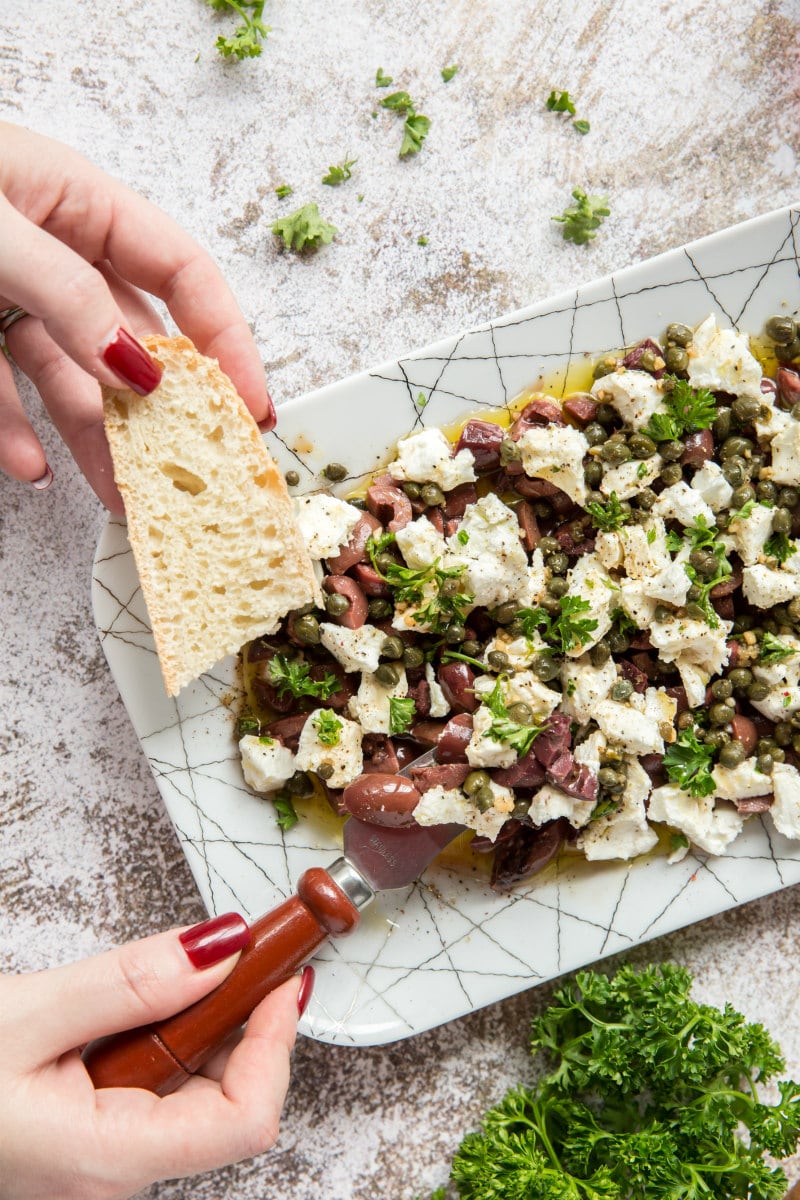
{"x": 134, "y": 984}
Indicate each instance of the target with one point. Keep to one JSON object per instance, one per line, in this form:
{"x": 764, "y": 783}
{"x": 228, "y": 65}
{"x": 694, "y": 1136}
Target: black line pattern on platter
{"x": 124, "y": 607}
{"x": 775, "y": 860}
{"x": 610, "y": 928}
{"x": 764, "y": 273}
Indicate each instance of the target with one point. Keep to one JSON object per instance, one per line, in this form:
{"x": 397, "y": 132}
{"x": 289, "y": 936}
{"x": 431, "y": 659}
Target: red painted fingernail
{"x": 43, "y": 482}
{"x": 215, "y": 939}
{"x": 270, "y": 419}
{"x": 132, "y": 363}
{"x": 306, "y": 988}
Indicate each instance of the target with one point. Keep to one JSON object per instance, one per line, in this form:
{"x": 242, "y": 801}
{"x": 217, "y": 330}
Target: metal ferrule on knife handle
{"x": 160, "y": 1057}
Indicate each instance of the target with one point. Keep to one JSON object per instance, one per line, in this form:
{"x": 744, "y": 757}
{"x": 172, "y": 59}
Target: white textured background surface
{"x": 695, "y": 114}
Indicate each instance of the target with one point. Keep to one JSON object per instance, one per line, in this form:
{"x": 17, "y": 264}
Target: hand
{"x": 75, "y": 248}
{"x": 60, "y": 1137}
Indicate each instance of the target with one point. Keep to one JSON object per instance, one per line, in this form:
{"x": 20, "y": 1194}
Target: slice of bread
{"x": 211, "y": 524}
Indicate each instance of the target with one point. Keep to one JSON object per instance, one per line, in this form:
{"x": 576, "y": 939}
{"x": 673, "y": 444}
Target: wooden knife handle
{"x": 161, "y": 1056}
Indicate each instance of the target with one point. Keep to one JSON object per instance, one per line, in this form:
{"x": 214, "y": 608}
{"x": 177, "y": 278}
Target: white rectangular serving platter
{"x": 448, "y": 944}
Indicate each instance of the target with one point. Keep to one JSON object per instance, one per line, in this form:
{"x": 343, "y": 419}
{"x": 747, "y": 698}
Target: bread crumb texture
{"x": 210, "y": 522}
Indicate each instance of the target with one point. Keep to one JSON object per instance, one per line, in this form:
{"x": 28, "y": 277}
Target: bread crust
{"x": 210, "y": 522}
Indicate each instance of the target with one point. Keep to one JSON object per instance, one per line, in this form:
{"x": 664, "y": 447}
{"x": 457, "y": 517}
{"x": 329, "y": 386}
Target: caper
{"x": 558, "y": 563}
{"x": 387, "y": 674}
{"x": 663, "y": 613}
{"x": 504, "y": 613}
{"x": 787, "y": 354}
{"x": 475, "y": 781}
{"x": 695, "y": 611}
{"x": 484, "y": 798}
{"x": 680, "y": 334}
{"x": 778, "y": 755}
{"x": 543, "y": 509}
{"x": 758, "y": 690}
{"x": 721, "y": 427}
{"x": 641, "y": 445}
{"x": 782, "y": 520}
{"x": 600, "y": 653}
{"x": 612, "y": 754}
{"x": 509, "y": 452}
{"x": 735, "y": 445}
{"x": 606, "y": 414}
{"x": 557, "y": 586}
{"x": 413, "y": 657}
{"x": 379, "y": 608}
{"x": 545, "y": 667}
{"x": 734, "y": 474}
{"x": 783, "y": 733}
{"x": 594, "y": 433}
{"x": 392, "y": 648}
{"x": 795, "y": 411}
{"x": 717, "y": 737}
{"x": 766, "y": 490}
{"x": 454, "y": 633}
{"x": 622, "y": 690}
{"x": 292, "y": 478}
{"x": 521, "y": 713}
{"x": 593, "y": 473}
{"x": 324, "y": 770}
{"x": 615, "y": 453}
{"x": 431, "y": 495}
{"x": 306, "y": 630}
{"x": 576, "y": 531}
{"x": 646, "y": 499}
{"x": 746, "y": 409}
{"x": 450, "y": 588}
{"x": 671, "y": 451}
{"x": 722, "y": 689}
{"x": 300, "y": 784}
{"x": 694, "y": 592}
{"x": 742, "y": 495}
{"x": 721, "y": 713}
{"x": 732, "y": 754}
{"x": 550, "y": 604}
{"x": 336, "y": 604}
{"x": 549, "y": 545}
{"x": 704, "y": 562}
{"x": 498, "y": 659}
{"x": 676, "y": 359}
{"x": 335, "y": 472}
{"x": 611, "y": 780}
{"x": 796, "y": 743}
{"x": 618, "y": 641}
{"x": 603, "y": 366}
{"x": 765, "y": 745}
{"x": 684, "y": 720}
{"x": 781, "y": 329}
{"x": 412, "y": 489}
{"x": 672, "y": 473}
{"x": 385, "y": 561}
{"x": 788, "y": 497}
{"x": 765, "y": 763}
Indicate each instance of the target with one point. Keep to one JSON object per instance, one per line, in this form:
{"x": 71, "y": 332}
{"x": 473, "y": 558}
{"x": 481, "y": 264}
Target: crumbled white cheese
{"x": 494, "y": 559}
{"x": 630, "y": 478}
{"x": 483, "y": 750}
{"x": 710, "y": 829}
{"x": 427, "y": 457}
{"x": 785, "y": 446}
{"x": 634, "y": 600}
{"x": 686, "y": 639}
{"x": 682, "y": 503}
{"x": 636, "y": 395}
{"x": 588, "y": 753}
{"x": 550, "y": 803}
{"x": 712, "y": 486}
{"x": 355, "y": 649}
{"x": 785, "y": 809}
{"x": 749, "y": 533}
{"x": 636, "y": 731}
{"x": 345, "y": 757}
{"x": 370, "y": 705}
{"x": 671, "y": 584}
{"x": 525, "y": 687}
{"x": 624, "y": 833}
{"x": 266, "y": 765}
{"x": 584, "y": 686}
{"x": 772, "y": 420}
{"x": 645, "y": 548}
{"x": 608, "y": 549}
{"x": 662, "y": 709}
{"x": 535, "y": 583}
{"x": 556, "y": 453}
{"x": 325, "y": 523}
{"x": 766, "y": 586}
{"x": 588, "y": 580}
{"x": 439, "y": 705}
{"x": 783, "y": 678}
{"x": 442, "y": 806}
{"x": 420, "y": 543}
{"x": 720, "y": 359}
{"x": 741, "y": 782}
{"x": 694, "y": 682}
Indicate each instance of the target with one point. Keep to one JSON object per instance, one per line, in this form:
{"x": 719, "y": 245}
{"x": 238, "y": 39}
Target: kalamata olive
{"x": 341, "y": 588}
{"x": 382, "y": 799}
{"x": 355, "y": 550}
{"x": 483, "y": 439}
{"x": 457, "y": 681}
{"x": 744, "y": 731}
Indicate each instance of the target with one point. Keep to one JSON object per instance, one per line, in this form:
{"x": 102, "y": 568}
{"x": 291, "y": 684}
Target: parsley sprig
{"x": 688, "y": 762}
{"x": 582, "y": 219}
{"x": 562, "y": 102}
{"x": 651, "y": 1094}
{"x": 293, "y": 675}
{"x": 340, "y": 172}
{"x": 402, "y": 710}
{"x": 432, "y": 591}
{"x": 286, "y": 814}
{"x": 304, "y": 229}
{"x": 247, "y": 37}
{"x": 416, "y": 126}
{"x": 328, "y": 727}
{"x": 610, "y": 516}
{"x": 503, "y": 728}
{"x": 773, "y": 650}
{"x": 688, "y": 411}
{"x": 568, "y": 630}
{"x": 780, "y": 547}
{"x": 703, "y": 537}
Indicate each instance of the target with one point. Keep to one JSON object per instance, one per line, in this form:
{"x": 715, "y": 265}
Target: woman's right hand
{"x": 59, "y": 1137}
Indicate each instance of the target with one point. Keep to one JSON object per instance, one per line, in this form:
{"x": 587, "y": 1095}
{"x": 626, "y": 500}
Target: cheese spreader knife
{"x": 328, "y": 903}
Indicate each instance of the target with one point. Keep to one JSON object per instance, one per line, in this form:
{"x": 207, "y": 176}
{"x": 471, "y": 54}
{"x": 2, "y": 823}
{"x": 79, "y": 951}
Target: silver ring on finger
{"x": 10, "y": 316}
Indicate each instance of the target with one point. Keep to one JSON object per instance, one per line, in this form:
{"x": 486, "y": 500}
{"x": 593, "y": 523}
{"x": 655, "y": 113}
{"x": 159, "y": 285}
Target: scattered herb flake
{"x": 415, "y": 131}
{"x": 381, "y": 79}
{"x": 503, "y": 729}
{"x": 779, "y": 546}
{"x": 328, "y": 726}
{"x": 339, "y": 173}
{"x": 401, "y": 713}
{"x": 773, "y": 650}
{"x": 582, "y": 219}
{"x": 422, "y": 240}
{"x": 294, "y": 676}
{"x": 247, "y": 37}
{"x": 304, "y": 229}
{"x": 283, "y": 191}
{"x": 560, "y": 102}
{"x": 287, "y": 817}
{"x": 581, "y": 126}
{"x": 449, "y": 72}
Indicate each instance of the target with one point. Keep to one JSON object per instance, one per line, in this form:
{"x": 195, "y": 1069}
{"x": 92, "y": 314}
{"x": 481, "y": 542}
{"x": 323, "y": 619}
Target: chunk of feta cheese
{"x": 535, "y": 583}
{"x": 634, "y": 600}
{"x": 550, "y": 803}
{"x": 370, "y": 705}
{"x": 785, "y": 808}
{"x": 686, "y": 639}
{"x": 443, "y": 806}
{"x": 637, "y": 732}
{"x": 682, "y": 503}
{"x": 420, "y": 543}
{"x": 671, "y": 584}
{"x": 645, "y": 548}
{"x": 609, "y": 550}
{"x": 494, "y": 559}
{"x": 438, "y": 702}
{"x": 524, "y": 687}
{"x": 556, "y": 453}
{"x": 783, "y": 678}
{"x": 630, "y": 478}
{"x": 709, "y": 828}
{"x": 766, "y": 586}
{"x": 325, "y": 523}
{"x": 785, "y": 446}
{"x": 712, "y": 486}
{"x": 636, "y": 395}
{"x": 427, "y": 457}
{"x": 584, "y": 686}
{"x": 355, "y": 649}
{"x": 266, "y": 764}
{"x": 749, "y": 533}
{"x": 694, "y": 682}
{"x": 345, "y": 757}
{"x": 590, "y": 751}
{"x": 741, "y": 782}
{"x": 589, "y": 581}
{"x": 624, "y": 833}
{"x": 772, "y": 420}
{"x": 661, "y": 708}
{"x": 720, "y": 359}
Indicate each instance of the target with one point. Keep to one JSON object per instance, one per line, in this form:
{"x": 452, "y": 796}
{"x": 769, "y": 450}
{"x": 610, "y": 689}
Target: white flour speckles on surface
{"x": 87, "y": 856}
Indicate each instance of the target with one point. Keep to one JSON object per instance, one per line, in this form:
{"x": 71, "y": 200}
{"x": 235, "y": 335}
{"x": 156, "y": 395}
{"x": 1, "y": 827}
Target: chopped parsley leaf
{"x": 773, "y": 650}
{"x": 431, "y": 591}
{"x": 287, "y": 817}
{"x": 247, "y": 37}
{"x": 401, "y": 713}
{"x": 328, "y": 726}
{"x": 339, "y": 173}
{"x": 422, "y": 240}
{"x": 415, "y": 131}
{"x": 779, "y": 546}
{"x": 688, "y": 763}
{"x": 610, "y": 516}
{"x": 293, "y": 675}
{"x": 560, "y": 102}
{"x": 581, "y": 126}
{"x": 283, "y": 191}
{"x": 565, "y": 630}
{"x": 381, "y": 79}
{"x": 449, "y": 72}
{"x": 503, "y": 729}
{"x": 584, "y": 217}
{"x": 304, "y": 229}
{"x": 688, "y": 411}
